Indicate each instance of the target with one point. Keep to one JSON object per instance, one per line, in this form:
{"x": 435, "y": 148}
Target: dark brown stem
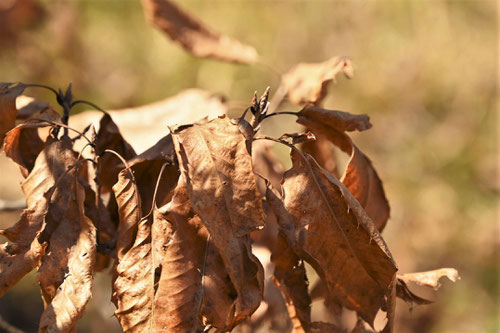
{"x": 90, "y": 104}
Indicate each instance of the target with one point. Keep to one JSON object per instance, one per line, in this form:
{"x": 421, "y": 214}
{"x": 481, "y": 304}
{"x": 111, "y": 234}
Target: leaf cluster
{"x": 176, "y": 223}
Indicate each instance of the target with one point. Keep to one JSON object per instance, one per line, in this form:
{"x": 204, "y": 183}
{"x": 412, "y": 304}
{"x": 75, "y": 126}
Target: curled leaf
{"x": 296, "y": 138}
{"x": 403, "y": 292}
{"x": 360, "y": 176}
{"x": 308, "y": 82}
{"x": 8, "y": 111}
{"x": 133, "y": 286}
{"x": 179, "y": 286}
{"x": 16, "y": 260}
{"x": 109, "y": 137}
{"x": 194, "y": 36}
{"x": 23, "y": 143}
{"x": 331, "y": 231}
{"x": 430, "y": 278}
{"x": 74, "y": 293}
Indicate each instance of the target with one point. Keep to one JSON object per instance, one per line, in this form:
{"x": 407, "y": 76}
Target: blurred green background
{"x": 425, "y": 71}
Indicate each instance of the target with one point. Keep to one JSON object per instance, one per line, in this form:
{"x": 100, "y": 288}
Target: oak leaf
{"x": 194, "y": 36}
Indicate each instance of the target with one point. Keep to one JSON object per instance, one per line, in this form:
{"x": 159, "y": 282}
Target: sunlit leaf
{"x": 194, "y": 36}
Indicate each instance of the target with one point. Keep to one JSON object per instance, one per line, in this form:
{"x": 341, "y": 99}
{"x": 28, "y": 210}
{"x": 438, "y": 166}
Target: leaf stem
{"x": 90, "y": 104}
{"x": 34, "y": 85}
{"x": 283, "y": 112}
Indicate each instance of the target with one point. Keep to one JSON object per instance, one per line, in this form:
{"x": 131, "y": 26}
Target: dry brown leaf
{"x": 430, "y": 278}
{"x": 266, "y": 164}
{"x": 129, "y": 210}
{"x": 150, "y": 163}
{"x": 221, "y": 186}
{"x": 16, "y": 261}
{"x": 331, "y": 231}
{"x": 133, "y": 286}
{"x": 390, "y": 307}
{"x": 403, "y": 292}
{"x": 360, "y": 176}
{"x": 142, "y": 125}
{"x": 74, "y": 293}
{"x": 23, "y": 143}
{"x": 217, "y": 292}
{"x": 322, "y": 151}
{"x": 179, "y": 287}
{"x": 138, "y": 283}
{"x": 19, "y": 259}
{"x": 109, "y": 137}
{"x": 290, "y": 276}
{"x": 59, "y": 229}
{"x": 194, "y": 36}
{"x": 308, "y": 82}
{"x": 8, "y": 110}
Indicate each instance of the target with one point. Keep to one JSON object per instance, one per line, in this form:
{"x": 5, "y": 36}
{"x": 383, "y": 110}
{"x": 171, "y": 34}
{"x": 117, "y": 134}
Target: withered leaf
{"x": 333, "y": 233}
{"x": 59, "y": 229}
{"x": 16, "y": 261}
{"x": 20, "y": 258}
{"x": 179, "y": 287}
{"x": 322, "y": 151}
{"x": 360, "y": 176}
{"x": 290, "y": 277}
{"x": 403, "y": 292}
{"x": 194, "y": 36}
{"x": 150, "y": 163}
{"x": 221, "y": 185}
{"x": 109, "y": 137}
{"x": 23, "y": 143}
{"x": 308, "y": 82}
{"x": 296, "y": 138}
{"x": 211, "y": 292}
{"x": 74, "y": 293}
{"x": 139, "y": 281}
{"x": 129, "y": 210}
{"x": 430, "y": 278}
{"x": 133, "y": 286}
{"x": 266, "y": 164}
{"x": 8, "y": 110}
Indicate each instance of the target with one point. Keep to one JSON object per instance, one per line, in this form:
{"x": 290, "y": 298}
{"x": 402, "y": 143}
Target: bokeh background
{"x": 425, "y": 71}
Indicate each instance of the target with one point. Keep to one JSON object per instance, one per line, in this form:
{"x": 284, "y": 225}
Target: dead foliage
{"x": 177, "y": 221}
